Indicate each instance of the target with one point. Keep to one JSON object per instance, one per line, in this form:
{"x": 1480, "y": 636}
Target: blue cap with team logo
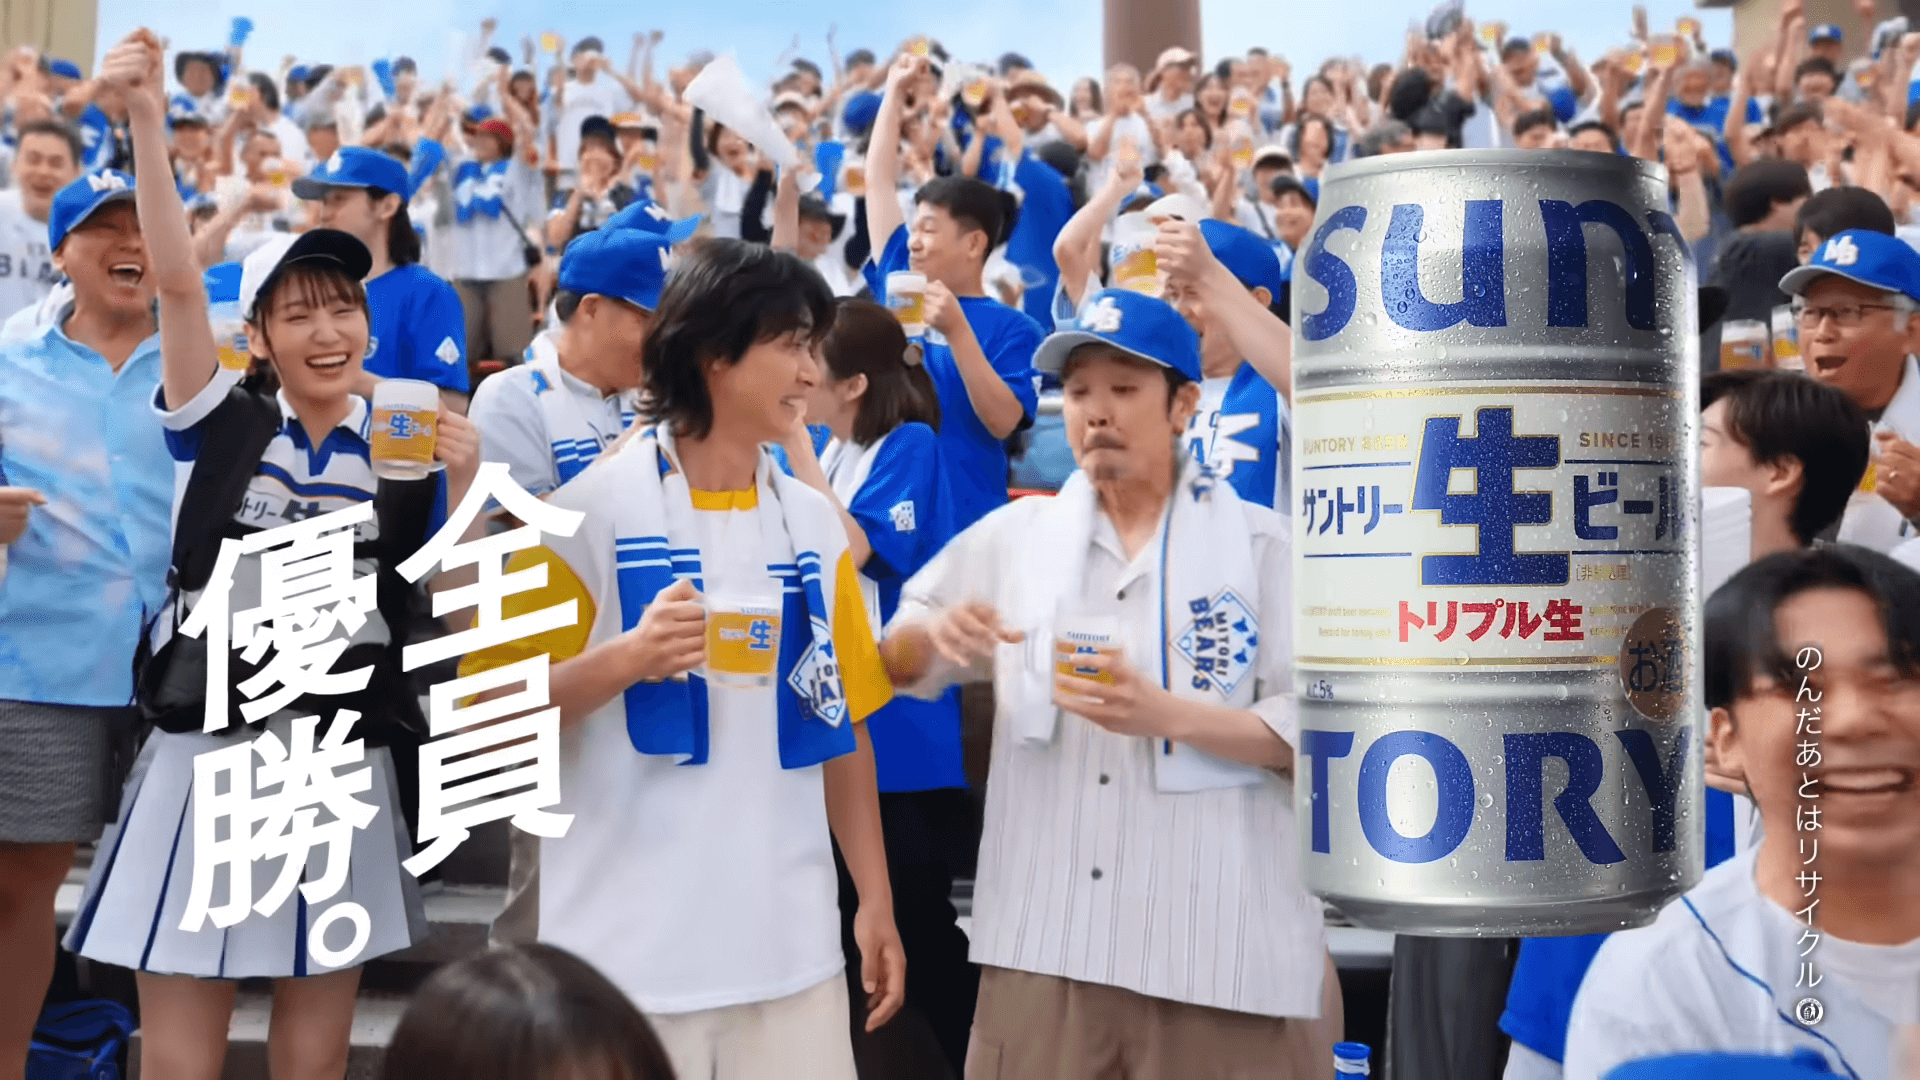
{"x": 1142, "y": 326}
{"x": 648, "y": 217}
{"x": 625, "y": 264}
{"x": 1246, "y": 256}
{"x": 1825, "y": 32}
{"x": 354, "y": 167}
{"x": 77, "y": 201}
{"x": 1870, "y": 258}
{"x": 1805, "y": 1064}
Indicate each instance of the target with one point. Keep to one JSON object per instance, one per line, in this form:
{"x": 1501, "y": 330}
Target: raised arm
{"x": 786, "y": 214}
{"x": 883, "y": 152}
{"x": 1738, "y": 145}
{"x": 210, "y": 244}
{"x": 1644, "y": 141}
{"x": 1077, "y": 249}
{"x": 1255, "y": 332}
{"x": 187, "y": 356}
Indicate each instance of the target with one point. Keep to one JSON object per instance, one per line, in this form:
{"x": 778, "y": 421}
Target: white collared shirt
{"x": 513, "y": 423}
{"x": 1716, "y": 972}
{"x": 1087, "y": 871}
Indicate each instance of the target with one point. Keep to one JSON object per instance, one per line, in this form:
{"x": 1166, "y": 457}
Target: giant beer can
{"x": 1496, "y": 640}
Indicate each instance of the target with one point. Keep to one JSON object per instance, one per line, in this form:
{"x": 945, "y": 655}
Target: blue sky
{"x": 1062, "y": 37}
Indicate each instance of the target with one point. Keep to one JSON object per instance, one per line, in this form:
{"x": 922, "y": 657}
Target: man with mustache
{"x": 1135, "y": 914}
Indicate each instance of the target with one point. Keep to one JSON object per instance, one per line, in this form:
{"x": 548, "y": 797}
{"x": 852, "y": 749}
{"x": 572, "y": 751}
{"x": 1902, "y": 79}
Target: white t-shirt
{"x": 601, "y": 97}
{"x": 1129, "y": 126}
{"x": 703, "y": 886}
{"x": 1162, "y": 109}
{"x": 1717, "y": 971}
{"x": 27, "y": 273}
{"x": 256, "y": 228}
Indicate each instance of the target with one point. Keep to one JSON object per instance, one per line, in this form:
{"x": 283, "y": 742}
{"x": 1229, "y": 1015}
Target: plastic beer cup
{"x": 1786, "y": 340}
{"x": 743, "y": 640}
{"x": 1743, "y": 344}
{"x": 406, "y": 415}
{"x": 907, "y": 296}
{"x": 1135, "y": 266}
{"x": 1079, "y": 635}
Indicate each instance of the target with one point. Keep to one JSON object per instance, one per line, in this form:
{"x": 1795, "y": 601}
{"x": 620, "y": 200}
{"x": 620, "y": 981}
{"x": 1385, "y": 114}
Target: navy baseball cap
{"x": 354, "y": 167}
{"x": 259, "y": 269}
{"x": 77, "y": 201}
{"x": 1862, "y": 255}
{"x": 1246, "y": 256}
{"x": 66, "y": 69}
{"x": 1805, "y": 1064}
{"x": 647, "y": 216}
{"x": 1141, "y": 326}
{"x": 1825, "y": 32}
{"x": 860, "y": 112}
{"x": 625, "y": 264}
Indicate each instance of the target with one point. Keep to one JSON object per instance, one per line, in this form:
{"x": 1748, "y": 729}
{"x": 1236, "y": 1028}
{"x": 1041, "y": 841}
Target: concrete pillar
{"x": 62, "y": 28}
{"x": 1137, "y": 30}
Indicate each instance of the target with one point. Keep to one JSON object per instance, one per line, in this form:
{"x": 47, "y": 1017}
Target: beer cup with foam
{"x": 743, "y": 640}
{"x": 907, "y": 296}
{"x": 1135, "y": 266}
{"x": 406, "y": 414}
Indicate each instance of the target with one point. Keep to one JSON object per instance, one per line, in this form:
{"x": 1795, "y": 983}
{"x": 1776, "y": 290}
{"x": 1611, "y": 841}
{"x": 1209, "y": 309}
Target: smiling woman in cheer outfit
{"x": 307, "y": 316}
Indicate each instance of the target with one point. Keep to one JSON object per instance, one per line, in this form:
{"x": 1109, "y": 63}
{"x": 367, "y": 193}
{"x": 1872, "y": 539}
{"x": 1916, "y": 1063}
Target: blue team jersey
{"x": 418, "y": 329}
{"x": 904, "y": 509}
{"x": 1045, "y": 205}
{"x": 1246, "y": 436}
{"x": 975, "y": 461}
{"x": 1548, "y": 972}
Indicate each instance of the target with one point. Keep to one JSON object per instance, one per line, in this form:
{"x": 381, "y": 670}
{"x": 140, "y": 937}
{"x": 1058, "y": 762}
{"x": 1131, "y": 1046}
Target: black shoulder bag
{"x": 170, "y": 682}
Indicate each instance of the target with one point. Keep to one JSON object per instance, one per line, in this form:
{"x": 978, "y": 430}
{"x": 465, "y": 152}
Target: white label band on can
{"x": 1454, "y": 525}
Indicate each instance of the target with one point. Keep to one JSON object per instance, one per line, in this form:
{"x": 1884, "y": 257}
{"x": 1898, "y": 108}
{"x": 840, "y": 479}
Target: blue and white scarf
{"x": 797, "y": 522}
{"x": 479, "y": 189}
{"x": 1209, "y": 635}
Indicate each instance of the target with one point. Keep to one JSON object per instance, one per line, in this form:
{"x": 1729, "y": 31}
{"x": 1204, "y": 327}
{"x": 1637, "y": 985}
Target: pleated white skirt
{"x": 142, "y": 877}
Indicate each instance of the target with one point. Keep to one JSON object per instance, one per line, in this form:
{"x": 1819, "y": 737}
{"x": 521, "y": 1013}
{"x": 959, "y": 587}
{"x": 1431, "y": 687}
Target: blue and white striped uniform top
{"x": 295, "y": 480}
{"x": 545, "y": 424}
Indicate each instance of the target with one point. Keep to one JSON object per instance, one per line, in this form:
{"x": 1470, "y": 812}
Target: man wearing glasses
{"x": 1855, "y": 301}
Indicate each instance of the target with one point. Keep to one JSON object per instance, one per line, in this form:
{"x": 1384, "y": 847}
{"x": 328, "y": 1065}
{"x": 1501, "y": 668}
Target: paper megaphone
{"x": 721, "y": 91}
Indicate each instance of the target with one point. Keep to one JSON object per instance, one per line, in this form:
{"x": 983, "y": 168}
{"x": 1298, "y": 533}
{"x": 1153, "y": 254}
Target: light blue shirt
{"x": 92, "y": 565}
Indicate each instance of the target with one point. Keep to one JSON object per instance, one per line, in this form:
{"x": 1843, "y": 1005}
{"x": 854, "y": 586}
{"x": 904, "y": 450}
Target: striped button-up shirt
{"x": 1087, "y": 871}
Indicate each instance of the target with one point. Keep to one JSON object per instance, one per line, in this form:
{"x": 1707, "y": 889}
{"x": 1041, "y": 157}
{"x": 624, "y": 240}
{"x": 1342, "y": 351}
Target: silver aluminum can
{"x": 1496, "y": 558}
